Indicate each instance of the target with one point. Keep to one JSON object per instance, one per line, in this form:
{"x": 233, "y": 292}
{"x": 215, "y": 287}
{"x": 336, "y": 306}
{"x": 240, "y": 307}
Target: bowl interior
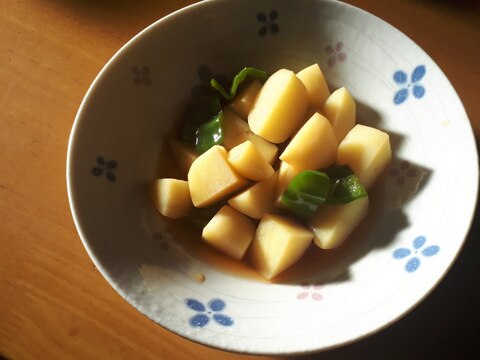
{"x": 419, "y": 215}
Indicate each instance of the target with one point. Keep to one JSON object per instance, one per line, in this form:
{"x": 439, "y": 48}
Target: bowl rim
{"x": 71, "y": 190}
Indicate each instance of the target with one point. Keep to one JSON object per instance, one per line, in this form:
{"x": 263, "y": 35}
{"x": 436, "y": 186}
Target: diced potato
{"x": 279, "y": 107}
{"x": 211, "y": 178}
{"x": 171, "y": 197}
{"x": 184, "y": 154}
{"x": 310, "y": 112}
{"x": 286, "y": 173}
{"x": 333, "y": 223}
{"x": 249, "y": 162}
{"x": 278, "y": 243}
{"x": 313, "y": 147}
{"x": 267, "y": 149}
{"x": 314, "y": 81}
{"x": 367, "y": 151}
{"x": 232, "y": 126}
{"x": 230, "y": 232}
{"x": 257, "y": 199}
{"x": 243, "y": 102}
{"x": 340, "y": 110}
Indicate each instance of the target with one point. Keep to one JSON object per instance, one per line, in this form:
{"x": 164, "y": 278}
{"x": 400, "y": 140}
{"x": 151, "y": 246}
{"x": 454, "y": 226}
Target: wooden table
{"x": 53, "y": 303}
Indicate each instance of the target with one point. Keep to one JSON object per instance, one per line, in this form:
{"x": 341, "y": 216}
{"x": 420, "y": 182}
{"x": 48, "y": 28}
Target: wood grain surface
{"x": 54, "y": 304}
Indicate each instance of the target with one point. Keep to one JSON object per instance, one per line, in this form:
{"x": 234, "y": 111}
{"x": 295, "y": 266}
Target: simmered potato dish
{"x": 285, "y": 163}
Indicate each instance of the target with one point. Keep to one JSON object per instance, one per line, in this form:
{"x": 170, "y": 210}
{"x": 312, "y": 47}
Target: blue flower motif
{"x": 203, "y": 313}
{"x": 414, "y": 262}
{"x": 268, "y": 22}
{"x": 401, "y": 78}
{"x": 105, "y": 166}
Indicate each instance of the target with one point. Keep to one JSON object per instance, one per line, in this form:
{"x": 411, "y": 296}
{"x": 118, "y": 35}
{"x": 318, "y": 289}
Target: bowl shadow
{"x": 398, "y": 185}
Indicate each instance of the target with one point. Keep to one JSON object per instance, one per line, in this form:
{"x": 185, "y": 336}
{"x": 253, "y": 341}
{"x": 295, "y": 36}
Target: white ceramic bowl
{"x": 421, "y": 208}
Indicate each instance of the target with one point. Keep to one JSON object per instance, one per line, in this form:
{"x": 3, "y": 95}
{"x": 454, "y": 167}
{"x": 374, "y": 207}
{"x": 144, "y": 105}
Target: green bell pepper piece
{"x": 310, "y": 189}
{"x": 306, "y": 192}
{"x": 209, "y": 134}
{"x": 198, "y": 111}
{"x": 237, "y": 80}
{"x": 346, "y": 189}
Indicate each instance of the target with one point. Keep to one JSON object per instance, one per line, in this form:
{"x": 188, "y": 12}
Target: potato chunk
{"x": 230, "y": 232}
{"x": 243, "y": 102}
{"x": 257, "y": 199}
{"x": 171, "y": 197}
{"x": 313, "y": 147}
{"x": 332, "y": 224}
{"x": 211, "y": 178}
{"x": 184, "y": 154}
{"x": 232, "y": 126}
{"x": 314, "y": 81}
{"x": 279, "y": 107}
{"x": 249, "y": 162}
{"x": 267, "y": 149}
{"x": 367, "y": 151}
{"x": 340, "y": 110}
{"x": 286, "y": 173}
{"x": 278, "y": 243}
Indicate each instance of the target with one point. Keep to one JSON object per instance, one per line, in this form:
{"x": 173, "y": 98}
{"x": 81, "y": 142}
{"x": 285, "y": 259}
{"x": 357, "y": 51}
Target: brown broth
{"x": 316, "y": 265}
{"x": 190, "y": 239}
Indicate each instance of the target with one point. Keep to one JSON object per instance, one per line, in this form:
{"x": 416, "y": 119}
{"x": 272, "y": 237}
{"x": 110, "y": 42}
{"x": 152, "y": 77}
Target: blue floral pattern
{"x": 414, "y": 262}
{"x": 106, "y": 167}
{"x": 401, "y": 78}
{"x": 204, "y": 313}
{"x": 268, "y": 22}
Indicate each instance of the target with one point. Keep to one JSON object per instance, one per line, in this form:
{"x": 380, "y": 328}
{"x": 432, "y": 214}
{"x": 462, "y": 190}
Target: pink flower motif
{"x": 309, "y": 290}
{"x": 404, "y": 170}
{"x": 335, "y": 53}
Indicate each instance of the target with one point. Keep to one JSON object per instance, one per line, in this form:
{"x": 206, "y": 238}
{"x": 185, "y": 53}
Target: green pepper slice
{"x": 237, "y": 80}
{"x": 197, "y": 112}
{"x": 310, "y": 189}
{"x": 209, "y": 134}
{"x": 306, "y": 192}
{"x": 346, "y": 189}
